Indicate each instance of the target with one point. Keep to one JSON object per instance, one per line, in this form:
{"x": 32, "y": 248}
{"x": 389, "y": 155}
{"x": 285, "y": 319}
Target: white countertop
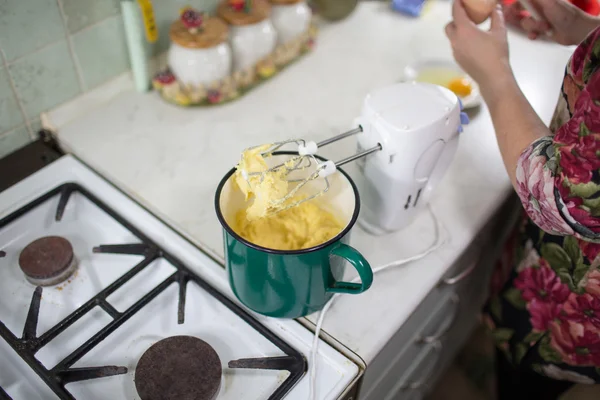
{"x": 171, "y": 159}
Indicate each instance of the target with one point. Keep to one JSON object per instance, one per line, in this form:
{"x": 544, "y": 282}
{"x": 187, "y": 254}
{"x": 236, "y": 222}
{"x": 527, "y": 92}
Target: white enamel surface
{"x": 290, "y": 20}
{"x": 417, "y": 126}
{"x": 251, "y": 43}
{"x": 85, "y": 225}
{"x": 172, "y": 159}
{"x": 200, "y": 66}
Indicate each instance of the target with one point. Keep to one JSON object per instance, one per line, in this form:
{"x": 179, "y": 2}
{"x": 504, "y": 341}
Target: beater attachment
{"x": 299, "y": 170}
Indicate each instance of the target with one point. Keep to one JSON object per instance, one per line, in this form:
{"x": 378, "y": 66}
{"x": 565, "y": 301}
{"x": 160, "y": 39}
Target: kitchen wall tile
{"x": 33, "y": 38}
{"x": 102, "y": 51}
{"x": 82, "y": 13}
{"x": 45, "y": 79}
{"x": 13, "y": 140}
{"x": 10, "y": 114}
{"x": 36, "y": 126}
{"x": 27, "y": 25}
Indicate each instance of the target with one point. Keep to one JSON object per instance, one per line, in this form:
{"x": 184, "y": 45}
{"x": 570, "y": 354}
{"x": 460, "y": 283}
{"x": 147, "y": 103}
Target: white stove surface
{"x": 86, "y": 226}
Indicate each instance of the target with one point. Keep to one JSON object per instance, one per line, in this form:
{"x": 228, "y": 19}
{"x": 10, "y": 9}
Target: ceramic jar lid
{"x": 232, "y": 11}
{"x": 209, "y": 32}
{"x": 285, "y": 2}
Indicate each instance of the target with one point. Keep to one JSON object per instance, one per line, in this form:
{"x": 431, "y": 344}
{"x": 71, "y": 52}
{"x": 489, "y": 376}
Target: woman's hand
{"x": 484, "y": 56}
{"x": 565, "y": 23}
{"x": 481, "y": 54}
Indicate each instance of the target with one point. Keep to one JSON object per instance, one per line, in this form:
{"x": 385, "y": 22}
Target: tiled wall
{"x": 53, "y": 50}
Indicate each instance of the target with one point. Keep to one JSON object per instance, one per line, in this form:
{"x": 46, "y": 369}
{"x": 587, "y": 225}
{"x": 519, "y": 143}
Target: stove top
{"x": 99, "y": 299}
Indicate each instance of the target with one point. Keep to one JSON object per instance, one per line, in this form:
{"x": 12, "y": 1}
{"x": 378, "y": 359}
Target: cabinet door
{"x": 419, "y": 375}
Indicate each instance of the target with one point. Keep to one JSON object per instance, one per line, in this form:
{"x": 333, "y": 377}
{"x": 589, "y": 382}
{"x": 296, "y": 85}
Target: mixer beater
{"x": 410, "y": 130}
{"x": 304, "y": 161}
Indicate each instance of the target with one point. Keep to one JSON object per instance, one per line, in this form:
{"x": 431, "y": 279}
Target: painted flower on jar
{"x": 214, "y": 96}
{"x": 163, "y": 79}
{"x": 577, "y": 344}
{"x": 237, "y": 5}
{"x": 192, "y": 19}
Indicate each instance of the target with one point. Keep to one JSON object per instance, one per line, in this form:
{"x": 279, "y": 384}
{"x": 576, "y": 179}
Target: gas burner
{"x": 48, "y": 261}
{"x": 179, "y": 368}
{"x": 126, "y": 293}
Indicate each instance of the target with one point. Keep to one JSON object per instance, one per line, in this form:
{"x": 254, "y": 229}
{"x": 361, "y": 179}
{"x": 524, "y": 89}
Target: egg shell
{"x": 478, "y": 10}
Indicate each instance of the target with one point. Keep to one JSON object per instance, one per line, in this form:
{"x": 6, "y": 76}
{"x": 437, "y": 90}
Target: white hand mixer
{"x": 409, "y": 131}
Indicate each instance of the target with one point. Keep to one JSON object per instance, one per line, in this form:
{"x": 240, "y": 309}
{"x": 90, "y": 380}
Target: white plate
{"x": 412, "y": 71}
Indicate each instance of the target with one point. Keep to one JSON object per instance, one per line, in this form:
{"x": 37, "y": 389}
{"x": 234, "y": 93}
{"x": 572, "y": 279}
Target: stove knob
{"x": 427, "y": 161}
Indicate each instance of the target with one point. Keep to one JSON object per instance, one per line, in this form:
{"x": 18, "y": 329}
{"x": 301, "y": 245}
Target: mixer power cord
{"x": 438, "y": 242}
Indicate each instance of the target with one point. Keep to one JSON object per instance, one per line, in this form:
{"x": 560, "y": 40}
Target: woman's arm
{"x": 557, "y": 176}
{"x": 516, "y": 123}
{"x": 484, "y": 55}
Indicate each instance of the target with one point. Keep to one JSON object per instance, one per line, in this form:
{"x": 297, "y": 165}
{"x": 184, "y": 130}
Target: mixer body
{"x": 417, "y": 125}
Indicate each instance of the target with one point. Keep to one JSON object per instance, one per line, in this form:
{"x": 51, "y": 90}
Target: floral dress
{"x": 546, "y": 313}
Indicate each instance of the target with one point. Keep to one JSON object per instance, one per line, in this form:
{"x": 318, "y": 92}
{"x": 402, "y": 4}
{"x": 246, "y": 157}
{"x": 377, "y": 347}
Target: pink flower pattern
{"x": 536, "y": 190}
{"x": 542, "y": 313}
{"x": 577, "y": 344}
{"x": 542, "y": 284}
{"x": 583, "y": 308}
{"x": 556, "y": 277}
{"x": 593, "y": 284}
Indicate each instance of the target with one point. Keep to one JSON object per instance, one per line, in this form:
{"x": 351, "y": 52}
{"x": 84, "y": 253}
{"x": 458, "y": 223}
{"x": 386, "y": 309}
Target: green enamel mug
{"x": 291, "y": 284}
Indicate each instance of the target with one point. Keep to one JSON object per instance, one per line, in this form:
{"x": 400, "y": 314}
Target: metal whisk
{"x": 303, "y": 161}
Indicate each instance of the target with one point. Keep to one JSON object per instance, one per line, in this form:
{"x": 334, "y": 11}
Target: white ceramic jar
{"x": 252, "y": 35}
{"x": 291, "y": 18}
{"x": 200, "y": 56}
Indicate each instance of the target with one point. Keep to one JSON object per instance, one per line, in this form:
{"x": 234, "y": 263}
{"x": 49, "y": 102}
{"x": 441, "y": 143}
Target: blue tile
{"x": 102, "y": 51}
{"x": 45, "y": 79}
{"x": 10, "y": 114}
{"x": 82, "y": 13}
{"x": 27, "y": 25}
{"x": 13, "y": 140}
{"x": 36, "y": 126}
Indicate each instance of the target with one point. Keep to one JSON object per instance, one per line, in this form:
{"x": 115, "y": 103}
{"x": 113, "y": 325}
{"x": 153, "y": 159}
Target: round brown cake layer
{"x": 179, "y": 368}
{"x": 46, "y": 258}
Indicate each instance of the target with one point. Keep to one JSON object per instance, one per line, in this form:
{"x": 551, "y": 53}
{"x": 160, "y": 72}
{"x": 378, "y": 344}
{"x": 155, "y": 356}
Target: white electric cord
{"x": 438, "y": 242}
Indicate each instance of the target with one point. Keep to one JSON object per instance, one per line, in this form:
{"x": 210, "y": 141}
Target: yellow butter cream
{"x": 303, "y": 226}
{"x": 265, "y": 221}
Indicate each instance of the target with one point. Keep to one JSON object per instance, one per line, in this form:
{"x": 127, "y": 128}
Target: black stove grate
{"x": 63, "y": 373}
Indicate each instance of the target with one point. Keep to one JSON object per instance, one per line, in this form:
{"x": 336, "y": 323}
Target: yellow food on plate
{"x": 264, "y": 189}
{"x": 449, "y": 78}
{"x": 460, "y": 86}
{"x": 301, "y": 227}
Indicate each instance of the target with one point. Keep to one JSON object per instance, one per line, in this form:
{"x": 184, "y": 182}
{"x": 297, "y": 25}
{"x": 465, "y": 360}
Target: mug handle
{"x": 359, "y": 263}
